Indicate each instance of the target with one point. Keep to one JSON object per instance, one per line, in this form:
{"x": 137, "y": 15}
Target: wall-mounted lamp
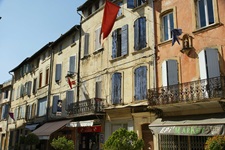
{"x": 187, "y": 41}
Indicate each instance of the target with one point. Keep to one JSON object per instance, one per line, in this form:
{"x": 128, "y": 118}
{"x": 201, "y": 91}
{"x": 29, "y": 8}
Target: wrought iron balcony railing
{"x": 199, "y": 90}
{"x": 89, "y": 106}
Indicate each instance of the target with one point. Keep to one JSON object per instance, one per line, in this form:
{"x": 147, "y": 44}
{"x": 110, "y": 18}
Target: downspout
{"x": 50, "y": 82}
{"x": 154, "y": 48}
{"x": 79, "y": 56}
{"x": 7, "y": 118}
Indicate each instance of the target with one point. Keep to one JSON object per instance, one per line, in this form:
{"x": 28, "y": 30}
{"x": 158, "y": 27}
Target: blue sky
{"x": 27, "y": 25}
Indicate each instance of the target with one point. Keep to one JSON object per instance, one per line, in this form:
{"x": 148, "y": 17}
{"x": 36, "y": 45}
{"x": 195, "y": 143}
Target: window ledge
{"x": 73, "y": 44}
{"x": 118, "y": 58}
{"x": 98, "y": 50}
{"x": 141, "y": 50}
{"x": 120, "y": 17}
{"x": 140, "y": 6}
{"x": 85, "y": 57}
{"x": 210, "y": 27}
{"x": 165, "y": 42}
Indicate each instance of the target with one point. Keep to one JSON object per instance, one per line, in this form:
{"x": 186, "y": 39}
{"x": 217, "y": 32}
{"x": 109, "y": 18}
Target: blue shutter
{"x": 212, "y": 59}
{"x": 114, "y": 43}
{"x": 116, "y": 88}
{"x": 142, "y": 32}
{"x": 130, "y": 4}
{"x": 172, "y": 72}
{"x": 58, "y": 72}
{"x": 141, "y": 83}
{"x": 72, "y": 64}
{"x": 124, "y": 40}
{"x": 69, "y": 98}
{"x": 3, "y": 112}
{"x": 86, "y": 44}
{"x": 55, "y": 103}
{"x": 136, "y": 35}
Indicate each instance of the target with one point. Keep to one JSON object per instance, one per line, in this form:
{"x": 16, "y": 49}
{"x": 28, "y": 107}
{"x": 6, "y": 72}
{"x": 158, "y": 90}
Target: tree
{"x": 123, "y": 139}
{"x": 61, "y": 143}
{"x": 215, "y": 143}
{"x": 31, "y": 139}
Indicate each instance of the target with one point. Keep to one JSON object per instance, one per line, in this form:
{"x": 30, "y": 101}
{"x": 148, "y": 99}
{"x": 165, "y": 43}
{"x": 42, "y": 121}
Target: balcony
{"x": 87, "y": 107}
{"x": 190, "y": 92}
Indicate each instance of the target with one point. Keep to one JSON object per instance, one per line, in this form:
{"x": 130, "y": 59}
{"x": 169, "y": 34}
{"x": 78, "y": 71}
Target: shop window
{"x": 120, "y": 42}
{"x": 116, "y": 88}
{"x": 140, "y": 33}
{"x": 140, "y": 77}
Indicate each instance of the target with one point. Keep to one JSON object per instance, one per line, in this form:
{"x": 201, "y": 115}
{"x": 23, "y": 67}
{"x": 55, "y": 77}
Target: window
{"x": 120, "y": 13}
{"x": 169, "y": 73}
{"x": 168, "y": 25}
{"x": 46, "y": 76}
{"x": 5, "y": 110}
{"x": 140, "y": 33}
{"x": 140, "y": 75}
{"x": 72, "y": 64}
{"x": 28, "y": 112}
{"x": 58, "y": 72}
{"x": 40, "y": 80}
{"x": 35, "y": 86}
{"x": 60, "y": 48}
{"x": 86, "y": 44}
{"x": 120, "y": 42}
{"x": 55, "y": 103}
{"x": 42, "y": 106}
{"x": 96, "y": 5}
{"x": 135, "y": 3}
{"x": 27, "y": 89}
{"x": 33, "y": 112}
{"x": 6, "y": 94}
{"x": 98, "y": 89}
{"x": 205, "y": 13}
{"x": 73, "y": 39}
{"x": 98, "y": 45}
{"x": 89, "y": 10}
{"x": 116, "y": 88}
{"x": 69, "y": 98}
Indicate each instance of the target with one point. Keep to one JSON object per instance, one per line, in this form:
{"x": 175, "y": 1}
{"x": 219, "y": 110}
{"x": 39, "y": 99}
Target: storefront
{"x": 187, "y": 132}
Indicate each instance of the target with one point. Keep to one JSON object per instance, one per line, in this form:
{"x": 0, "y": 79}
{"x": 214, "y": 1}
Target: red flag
{"x": 11, "y": 115}
{"x": 71, "y": 83}
{"x": 109, "y": 17}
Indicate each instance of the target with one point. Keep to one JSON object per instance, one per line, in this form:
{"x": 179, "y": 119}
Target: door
{"x": 147, "y": 136}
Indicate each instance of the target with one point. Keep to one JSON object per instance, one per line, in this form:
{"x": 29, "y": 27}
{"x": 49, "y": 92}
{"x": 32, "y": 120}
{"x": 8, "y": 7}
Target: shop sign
{"x": 90, "y": 129}
{"x": 192, "y": 130}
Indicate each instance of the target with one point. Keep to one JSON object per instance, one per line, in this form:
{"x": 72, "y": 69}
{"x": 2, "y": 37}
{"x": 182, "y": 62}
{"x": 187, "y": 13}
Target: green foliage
{"x": 31, "y": 139}
{"x": 215, "y": 143}
{"x": 61, "y": 143}
{"x": 123, "y": 139}
{"x": 22, "y": 139}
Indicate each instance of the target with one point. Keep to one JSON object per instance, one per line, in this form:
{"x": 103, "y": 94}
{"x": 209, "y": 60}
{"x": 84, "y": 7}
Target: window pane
{"x": 165, "y": 28}
{"x": 202, "y": 18}
{"x": 210, "y": 11}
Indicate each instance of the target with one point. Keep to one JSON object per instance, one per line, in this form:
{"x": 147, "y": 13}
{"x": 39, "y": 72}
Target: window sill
{"x": 73, "y": 44}
{"x": 118, "y": 58}
{"x": 140, "y": 6}
{"x": 120, "y": 17}
{"x": 98, "y": 51}
{"x": 165, "y": 42}
{"x": 141, "y": 50}
{"x": 85, "y": 57}
{"x": 210, "y": 27}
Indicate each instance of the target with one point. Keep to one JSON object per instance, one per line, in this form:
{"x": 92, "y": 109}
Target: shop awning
{"x": 31, "y": 127}
{"x": 86, "y": 123}
{"x": 197, "y": 127}
{"x": 47, "y": 129}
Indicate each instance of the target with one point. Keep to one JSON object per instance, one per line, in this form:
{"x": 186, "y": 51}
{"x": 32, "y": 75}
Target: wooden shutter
{"x": 72, "y": 64}
{"x": 116, "y": 88}
{"x": 35, "y": 86}
{"x": 29, "y": 88}
{"x": 164, "y": 74}
{"x": 16, "y": 113}
{"x": 98, "y": 89}
{"x": 202, "y": 65}
{"x": 86, "y": 44}
{"x": 124, "y": 40}
{"x": 213, "y": 67}
{"x": 142, "y": 32}
{"x": 97, "y": 39}
{"x": 55, "y": 103}
{"x": 114, "y": 43}
{"x": 130, "y": 4}
{"x": 172, "y": 72}
{"x": 69, "y": 98}
{"x": 141, "y": 83}
{"x": 58, "y": 72}
{"x": 136, "y": 35}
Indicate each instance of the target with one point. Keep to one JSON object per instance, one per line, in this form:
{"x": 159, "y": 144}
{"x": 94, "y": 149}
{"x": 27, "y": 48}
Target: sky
{"x": 27, "y": 25}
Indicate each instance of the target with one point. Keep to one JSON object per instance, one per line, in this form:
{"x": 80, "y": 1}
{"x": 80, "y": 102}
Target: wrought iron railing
{"x": 94, "y": 105}
{"x": 199, "y": 90}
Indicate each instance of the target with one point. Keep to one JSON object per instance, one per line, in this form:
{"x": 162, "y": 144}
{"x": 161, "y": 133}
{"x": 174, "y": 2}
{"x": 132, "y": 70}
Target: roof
{"x": 85, "y": 5}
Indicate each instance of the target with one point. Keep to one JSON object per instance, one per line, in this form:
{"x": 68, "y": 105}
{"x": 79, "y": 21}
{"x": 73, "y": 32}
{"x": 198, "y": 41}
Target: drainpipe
{"x": 50, "y": 82}
{"x": 7, "y": 118}
{"x": 154, "y": 48}
{"x": 79, "y": 56}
